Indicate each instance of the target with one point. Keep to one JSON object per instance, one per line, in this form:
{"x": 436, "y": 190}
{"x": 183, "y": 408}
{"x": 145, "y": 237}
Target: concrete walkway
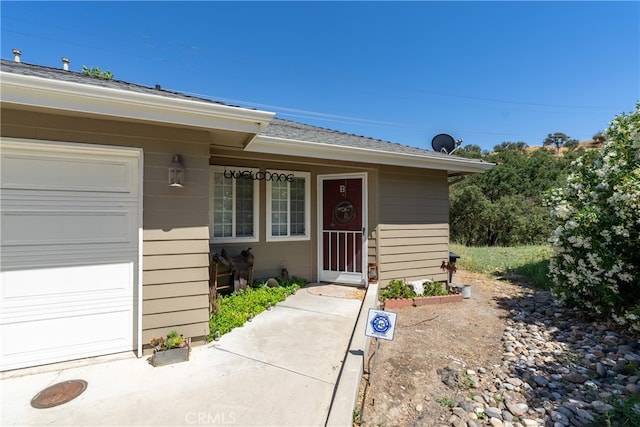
{"x": 281, "y": 369}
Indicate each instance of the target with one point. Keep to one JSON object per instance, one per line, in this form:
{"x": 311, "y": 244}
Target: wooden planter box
{"x": 168, "y": 357}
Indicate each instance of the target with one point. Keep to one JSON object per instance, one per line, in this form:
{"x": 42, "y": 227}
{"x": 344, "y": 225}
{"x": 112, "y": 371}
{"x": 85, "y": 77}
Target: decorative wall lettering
{"x": 258, "y": 176}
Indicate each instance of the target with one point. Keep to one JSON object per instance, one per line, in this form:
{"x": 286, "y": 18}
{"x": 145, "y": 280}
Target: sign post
{"x": 381, "y": 324}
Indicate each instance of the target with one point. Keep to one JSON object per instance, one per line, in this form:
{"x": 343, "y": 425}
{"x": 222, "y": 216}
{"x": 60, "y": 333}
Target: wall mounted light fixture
{"x": 176, "y": 172}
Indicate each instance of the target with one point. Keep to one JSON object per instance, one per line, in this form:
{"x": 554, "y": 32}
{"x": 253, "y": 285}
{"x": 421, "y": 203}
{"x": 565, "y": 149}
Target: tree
{"x": 471, "y": 151}
{"x": 557, "y": 139}
{"x": 504, "y": 205}
{"x": 596, "y": 262}
{"x": 514, "y": 146}
{"x": 571, "y": 144}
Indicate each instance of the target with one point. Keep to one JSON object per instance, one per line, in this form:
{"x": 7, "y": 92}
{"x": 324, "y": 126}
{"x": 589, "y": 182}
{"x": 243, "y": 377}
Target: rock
{"x": 575, "y": 377}
{"x": 633, "y": 389}
{"x": 495, "y": 422}
{"x": 517, "y": 409}
{"x": 540, "y": 380}
{"x": 448, "y": 376}
{"x": 493, "y": 412}
{"x": 466, "y": 405}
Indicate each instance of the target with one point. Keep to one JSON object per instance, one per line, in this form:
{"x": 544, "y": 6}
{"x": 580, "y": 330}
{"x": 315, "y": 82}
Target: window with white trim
{"x": 233, "y": 205}
{"x": 288, "y": 205}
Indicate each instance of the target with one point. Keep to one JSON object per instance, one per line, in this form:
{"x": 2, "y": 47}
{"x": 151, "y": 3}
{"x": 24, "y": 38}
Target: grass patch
{"x": 530, "y": 263}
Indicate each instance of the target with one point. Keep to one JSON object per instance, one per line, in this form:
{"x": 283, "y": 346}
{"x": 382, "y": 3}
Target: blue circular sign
{"x": 381, "y": 324}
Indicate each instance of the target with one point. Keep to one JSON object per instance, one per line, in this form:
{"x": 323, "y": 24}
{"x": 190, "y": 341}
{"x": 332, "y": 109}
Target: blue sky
{"x": 486, "y": 72}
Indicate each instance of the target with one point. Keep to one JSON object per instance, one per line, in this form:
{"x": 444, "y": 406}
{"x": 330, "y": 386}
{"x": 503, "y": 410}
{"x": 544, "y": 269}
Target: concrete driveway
{"x": 281, "y": 369}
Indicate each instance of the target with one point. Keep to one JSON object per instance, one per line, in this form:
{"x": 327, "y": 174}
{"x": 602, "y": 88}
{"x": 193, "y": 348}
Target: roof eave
{"x": 289, "y": 147}
{"x": 76, "y": 97}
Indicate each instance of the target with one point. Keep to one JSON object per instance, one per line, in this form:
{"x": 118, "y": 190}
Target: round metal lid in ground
{"x": 58, "y": 394}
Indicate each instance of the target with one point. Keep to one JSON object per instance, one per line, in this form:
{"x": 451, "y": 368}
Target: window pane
{"x": 279, "y": 215}
{"x": 244, "y": 207}
{"x": 222, "y": 205}
{"x": 297, "y": 207}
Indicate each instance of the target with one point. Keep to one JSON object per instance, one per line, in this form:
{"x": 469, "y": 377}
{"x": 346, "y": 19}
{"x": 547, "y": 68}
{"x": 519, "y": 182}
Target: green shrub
{"x": 232, "y": 311}
{"x": 397, "y": 289}
{"x": 596, "y": 261}
{"x": 432, "y": 289}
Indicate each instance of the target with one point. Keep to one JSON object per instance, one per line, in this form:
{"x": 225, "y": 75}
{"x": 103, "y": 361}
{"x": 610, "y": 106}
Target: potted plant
{"x": 173, "y": 349}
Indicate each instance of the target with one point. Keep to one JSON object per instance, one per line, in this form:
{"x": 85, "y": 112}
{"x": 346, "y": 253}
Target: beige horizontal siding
{"x": 175, "y": 319}
{"x": 173, "y": 261}
{"x": 176, "y": 234}
{"x": 417, "y": 255}
{"x": 433, "y": 274}
{"x": 171, "y": 290}
{"x": 394, "y": 250}
{"x": 166, "y": 305}
{"x": 157, "y": 277}
{"x": 413, "y": 257}
{"x": 164, "y": 247}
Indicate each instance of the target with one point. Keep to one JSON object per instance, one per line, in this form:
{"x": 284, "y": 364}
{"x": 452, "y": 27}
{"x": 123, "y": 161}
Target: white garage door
{"x": 70, "y": 220}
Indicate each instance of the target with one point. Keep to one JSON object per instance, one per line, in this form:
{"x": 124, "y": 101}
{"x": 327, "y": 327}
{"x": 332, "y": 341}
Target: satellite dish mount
{"x": 444, "y": 143}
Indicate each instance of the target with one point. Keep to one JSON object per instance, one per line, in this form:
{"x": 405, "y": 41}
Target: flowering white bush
{"x": 596, "y": 261}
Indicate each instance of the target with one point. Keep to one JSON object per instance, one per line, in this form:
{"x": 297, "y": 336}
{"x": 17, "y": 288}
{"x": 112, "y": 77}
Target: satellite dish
{"x": 444, "y": 143}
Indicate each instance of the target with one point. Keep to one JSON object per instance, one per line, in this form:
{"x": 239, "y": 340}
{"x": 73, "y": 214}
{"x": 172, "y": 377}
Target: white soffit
{"x": 288, "y": 147}
{"x": 83, "y": 98}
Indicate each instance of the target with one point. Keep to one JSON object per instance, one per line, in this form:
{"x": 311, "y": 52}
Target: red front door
{"x": 343, "y": 226}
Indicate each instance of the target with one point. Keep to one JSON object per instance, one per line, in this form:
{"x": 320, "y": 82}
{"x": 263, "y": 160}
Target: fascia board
{"x": 288, "y": 147}
{"x": 82, "y": 98}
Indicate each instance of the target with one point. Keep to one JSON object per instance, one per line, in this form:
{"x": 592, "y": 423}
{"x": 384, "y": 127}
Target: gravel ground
{"x": 508, "y": 356}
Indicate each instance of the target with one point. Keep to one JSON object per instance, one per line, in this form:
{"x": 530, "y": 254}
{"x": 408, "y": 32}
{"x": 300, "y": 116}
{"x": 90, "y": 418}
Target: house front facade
{"x": 98, "y": 248}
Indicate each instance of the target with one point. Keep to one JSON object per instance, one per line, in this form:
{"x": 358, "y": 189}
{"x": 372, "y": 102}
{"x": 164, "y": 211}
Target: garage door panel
{"x": 69, "y": 227}
{"x": 69, "y": 283}
{"x": 74, "y": 172}
{"x": 80, "y": 255}
{"x": 47, "y": 227}
{"x": 55, "y": 339}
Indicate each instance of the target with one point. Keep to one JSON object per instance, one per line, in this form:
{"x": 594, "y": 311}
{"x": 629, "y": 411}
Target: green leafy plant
{"x": 173, "y": 340}
{"x": 397, "y": 289}
{"x": 481, "y": 415}
{"x": 446, "y": 402}
{"x": 465, "y": 381}
{"x": 232, "y": 311}
{"x": 434, "y": 289}
{"x": 97, "y": 72}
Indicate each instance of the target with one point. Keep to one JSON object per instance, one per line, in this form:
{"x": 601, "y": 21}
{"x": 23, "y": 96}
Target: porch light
{"x": 176, "y": 172}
